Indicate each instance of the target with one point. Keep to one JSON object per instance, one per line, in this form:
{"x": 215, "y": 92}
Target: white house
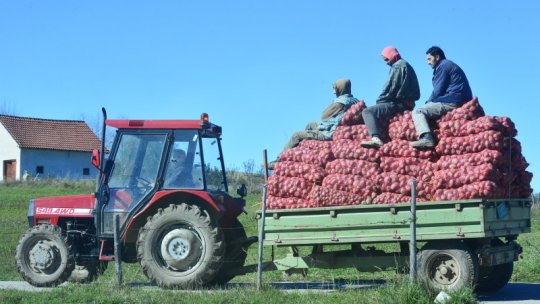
{"x": 46, "y": 148}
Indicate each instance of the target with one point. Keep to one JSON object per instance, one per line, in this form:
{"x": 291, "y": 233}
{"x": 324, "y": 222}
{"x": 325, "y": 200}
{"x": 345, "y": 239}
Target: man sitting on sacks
{"x": 450, "y": 90}
{"x": 330, "y": 117}
{"x": 399, "y": 94}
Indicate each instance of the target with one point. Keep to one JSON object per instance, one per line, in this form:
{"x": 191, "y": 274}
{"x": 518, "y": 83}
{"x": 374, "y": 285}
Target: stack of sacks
{"x": 477, "y": 156}
{"x": 295, "y": 173}
{"x": 351, "y": 174}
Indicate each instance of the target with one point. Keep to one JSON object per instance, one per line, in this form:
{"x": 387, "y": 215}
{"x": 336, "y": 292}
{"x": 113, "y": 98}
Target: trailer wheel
{"x": 180, "y": 246}
{"x": 447, "y": 266}
{"x": 235, "y": 255}
{"x": 493, "y": 278}
{"x": 87, "y": 272}
{"x": 44, "y": 256}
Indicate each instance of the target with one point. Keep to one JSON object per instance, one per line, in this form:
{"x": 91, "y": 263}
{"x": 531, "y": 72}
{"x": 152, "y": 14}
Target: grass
{"x": 14, "y": 199}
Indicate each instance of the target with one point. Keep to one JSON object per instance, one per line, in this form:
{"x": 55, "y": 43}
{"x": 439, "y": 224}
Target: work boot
{"x": 426, "y": 141}
{"x": 375, "y": 142}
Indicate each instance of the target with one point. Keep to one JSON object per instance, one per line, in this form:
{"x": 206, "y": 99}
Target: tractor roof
{"x": 156, "y": 124}
{"x": 209, "y": 129}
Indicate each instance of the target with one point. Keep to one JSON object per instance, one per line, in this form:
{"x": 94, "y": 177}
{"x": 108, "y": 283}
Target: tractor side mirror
{"x": 95, "y": 158}
{"x": 242, "y": 190}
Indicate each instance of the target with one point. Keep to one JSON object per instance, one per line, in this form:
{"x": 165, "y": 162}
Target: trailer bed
{"x": 444, "y": 220}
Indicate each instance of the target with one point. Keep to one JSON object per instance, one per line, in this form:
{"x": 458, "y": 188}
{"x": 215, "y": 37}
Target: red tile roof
{"x": 69, "y": 135}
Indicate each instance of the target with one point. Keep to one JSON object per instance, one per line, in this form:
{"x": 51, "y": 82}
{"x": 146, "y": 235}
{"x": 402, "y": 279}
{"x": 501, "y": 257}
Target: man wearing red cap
{"x": 399, "y": 94}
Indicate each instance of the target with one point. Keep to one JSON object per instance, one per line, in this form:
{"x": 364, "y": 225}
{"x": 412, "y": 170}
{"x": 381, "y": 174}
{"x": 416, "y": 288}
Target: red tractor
{"x": 166, "y": 181}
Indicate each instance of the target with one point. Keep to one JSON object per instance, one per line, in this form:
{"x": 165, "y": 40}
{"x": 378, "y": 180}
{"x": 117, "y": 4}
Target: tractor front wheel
{"x": 44, "y": 256}
{"x": 180, "y": 247}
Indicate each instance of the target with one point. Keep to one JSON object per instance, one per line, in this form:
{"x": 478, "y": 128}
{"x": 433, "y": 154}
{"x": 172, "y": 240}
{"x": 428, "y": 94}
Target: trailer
{"x": 464, "y": 243}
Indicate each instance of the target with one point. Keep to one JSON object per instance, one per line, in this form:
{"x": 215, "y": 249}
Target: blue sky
{"x": 261, "y": 69}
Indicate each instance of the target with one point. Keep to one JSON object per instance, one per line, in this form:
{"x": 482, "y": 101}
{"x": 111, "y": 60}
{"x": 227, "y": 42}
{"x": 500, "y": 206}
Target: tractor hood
{"x": 50, "y": 209}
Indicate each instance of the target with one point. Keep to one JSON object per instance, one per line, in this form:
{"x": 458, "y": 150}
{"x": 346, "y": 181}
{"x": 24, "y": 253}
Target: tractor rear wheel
{"x": 447, "y": 266}
{"x": 87, "y": 272}
{"x": 44, "y": 256}
{"x": 180, "y": 247}
{"x": 235, "y": 254}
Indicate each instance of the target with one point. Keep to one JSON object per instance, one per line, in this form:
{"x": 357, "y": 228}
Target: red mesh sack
{"x": 508, "y": 125}
{"x": 455, "y": 178}
{"x": 402, "y": 148}
{"x": 309, "y": 172}
{"x": 407, "y": 165}
{"x": 314, "y": 144}
{"x": 350, "y": 183}
{"x": 492, "y": 140}
{"x": 288, "y": 186}
{"x": 453, "y": 128}
{"x": 274, "y": 202}
{"x": 308, "y": 156}
{"x": 471, "y": 159}
{"x": 401, "y": 184}
{"x": 352, "y": 167}
{"x": 353, "y": 116}
{"x": 356, "y": 132}
{"x": 391, "y": 198}
{"x": 521, "y": 186}
{"x": 469, "y": 111}
{"x": 348, "y": 149}
{"x": 482, "y": 189}
{"x": 402, "y": 127}
{"x": 519, "y": 162}
{"x": 332, "y": 197}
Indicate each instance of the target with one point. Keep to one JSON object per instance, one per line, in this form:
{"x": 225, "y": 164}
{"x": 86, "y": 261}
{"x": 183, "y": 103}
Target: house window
{"x": 39, "y": 170}
{"x": 86, "y": 171}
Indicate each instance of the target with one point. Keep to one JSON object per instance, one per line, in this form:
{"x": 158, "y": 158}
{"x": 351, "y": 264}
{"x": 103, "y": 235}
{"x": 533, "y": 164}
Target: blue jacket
{"x": 450, "y": 85}
{"x": 329, "y": 126}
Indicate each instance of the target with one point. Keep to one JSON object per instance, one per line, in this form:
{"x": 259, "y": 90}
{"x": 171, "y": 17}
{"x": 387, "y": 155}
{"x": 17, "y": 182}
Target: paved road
{"x": 513, "y": 293}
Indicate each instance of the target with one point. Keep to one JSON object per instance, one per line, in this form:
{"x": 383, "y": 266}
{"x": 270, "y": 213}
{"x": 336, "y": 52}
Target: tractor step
{"x": 106, "y": 251}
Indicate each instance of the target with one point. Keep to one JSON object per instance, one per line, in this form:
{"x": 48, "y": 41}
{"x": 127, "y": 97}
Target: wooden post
{"x": 117, "y": 251}
{"x": 261, "y": 226}
{"x": 412, "y": 243}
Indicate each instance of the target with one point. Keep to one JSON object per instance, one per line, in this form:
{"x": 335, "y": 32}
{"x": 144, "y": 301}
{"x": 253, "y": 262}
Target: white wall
{"x": 57, "y": 164}
{"x": 9, "y": 149}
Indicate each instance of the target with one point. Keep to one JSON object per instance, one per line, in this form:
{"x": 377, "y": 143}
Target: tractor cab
{"x": 166, "y": 157}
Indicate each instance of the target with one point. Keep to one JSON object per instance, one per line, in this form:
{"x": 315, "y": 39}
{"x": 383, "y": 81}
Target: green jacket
{"x": 402, "y": 84}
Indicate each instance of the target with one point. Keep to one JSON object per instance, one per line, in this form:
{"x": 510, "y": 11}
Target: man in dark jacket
{"x": 399, "y": 94}
{"x": 450, "y": 90}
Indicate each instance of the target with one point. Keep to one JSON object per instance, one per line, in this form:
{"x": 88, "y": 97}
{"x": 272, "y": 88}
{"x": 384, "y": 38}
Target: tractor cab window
{"x": 213, "y": 169}
{"x": 133, "y": 174}
{"x": 184, "y": 170}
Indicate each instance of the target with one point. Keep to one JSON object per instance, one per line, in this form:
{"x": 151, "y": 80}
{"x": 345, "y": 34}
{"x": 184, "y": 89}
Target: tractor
{"x": 164, "y": 183}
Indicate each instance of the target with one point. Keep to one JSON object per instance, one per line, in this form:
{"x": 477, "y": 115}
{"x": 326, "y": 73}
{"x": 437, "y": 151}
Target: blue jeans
{"x": 431, "y": 110}
{"x": 380, "y": 112}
